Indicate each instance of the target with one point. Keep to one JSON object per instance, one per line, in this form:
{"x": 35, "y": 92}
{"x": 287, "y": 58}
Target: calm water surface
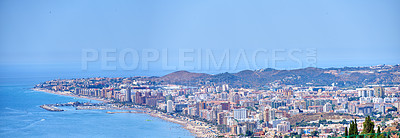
{"x": 21, "y": 116}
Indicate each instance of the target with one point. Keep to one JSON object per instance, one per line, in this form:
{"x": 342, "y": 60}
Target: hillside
{"x": 307, "y": 117}
{"x": 182, "y": 77}
{"x": 347, "y": 76}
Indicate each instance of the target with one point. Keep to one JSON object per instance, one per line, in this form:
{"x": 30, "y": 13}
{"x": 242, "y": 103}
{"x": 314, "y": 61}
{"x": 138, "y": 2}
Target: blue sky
{"x": 344, "y": 33}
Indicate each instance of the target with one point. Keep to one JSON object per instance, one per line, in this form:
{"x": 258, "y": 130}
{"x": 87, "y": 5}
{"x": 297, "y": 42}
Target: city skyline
{"x": 210, "y": 68}
{"x": 298, "y": 103}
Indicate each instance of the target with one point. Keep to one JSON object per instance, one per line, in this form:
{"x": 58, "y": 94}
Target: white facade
{"x": 284, "y": 126}
{"x": 169, "y": 106}
{"x": 240, "y": 113}
{"x": 272, "y": 114}
{"x": 365, "y": 92}
{"x": 377, "y": 100}
{"x": 327, "y": 107}
{"x": 225, "y": 87}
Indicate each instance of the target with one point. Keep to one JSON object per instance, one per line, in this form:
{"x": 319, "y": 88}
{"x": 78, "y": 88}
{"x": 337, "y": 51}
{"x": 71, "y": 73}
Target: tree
{"x": 379, "y": 130}
{"x": 335, "y": 134}
{"x": 322, "y": 121}
{"x": 397, "y": 125}
{"x": 353, "y": 128}
{"x": 249, "y": 133}
{"x": 314, "y": 133}
{"x": 343, "y": 121}
{"x": 368, "y": 126}
{"x": 388, "y": 116}
{"x": 346, "y": 133}
{"x": 392, "y": 109}
{"x": 373, "y": 133}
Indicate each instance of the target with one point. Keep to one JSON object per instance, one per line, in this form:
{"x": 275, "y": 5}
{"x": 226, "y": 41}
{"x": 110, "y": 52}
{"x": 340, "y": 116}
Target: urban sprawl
{"x": 276, "y": 110}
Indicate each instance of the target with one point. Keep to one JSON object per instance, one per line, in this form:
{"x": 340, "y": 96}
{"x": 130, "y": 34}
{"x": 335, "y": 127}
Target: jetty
{"x": 51, "y": 108}
{"x": 119, "y": 112}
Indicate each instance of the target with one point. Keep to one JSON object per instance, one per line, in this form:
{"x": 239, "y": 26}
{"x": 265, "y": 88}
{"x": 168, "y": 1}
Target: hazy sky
{"x": 344, "y": 33}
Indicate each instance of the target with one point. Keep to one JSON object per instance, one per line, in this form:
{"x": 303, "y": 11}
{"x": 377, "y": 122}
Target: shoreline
{"x": 70, "y": 95}
{"x": 195, "y": 129}
{"x": 188, "y": 125}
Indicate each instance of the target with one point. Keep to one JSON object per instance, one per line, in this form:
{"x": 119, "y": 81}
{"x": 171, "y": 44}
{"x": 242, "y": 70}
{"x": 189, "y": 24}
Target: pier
{"x": 51, "y": 108}
{"x": 131, "y": 111}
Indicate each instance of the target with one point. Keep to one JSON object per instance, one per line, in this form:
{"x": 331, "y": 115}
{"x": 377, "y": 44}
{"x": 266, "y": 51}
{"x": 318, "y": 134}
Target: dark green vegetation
{"x": 353, "y": 128}
{"x": 368, "y": 130}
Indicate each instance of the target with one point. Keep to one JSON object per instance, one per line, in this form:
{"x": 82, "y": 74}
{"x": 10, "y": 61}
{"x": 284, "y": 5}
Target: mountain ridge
{"x": 357, "y": 76}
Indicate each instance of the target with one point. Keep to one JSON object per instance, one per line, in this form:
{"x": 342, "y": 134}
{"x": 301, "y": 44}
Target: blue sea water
{"x": 21, "y": 116}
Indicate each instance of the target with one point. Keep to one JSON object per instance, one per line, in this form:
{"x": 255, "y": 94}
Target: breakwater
{"x": 51, "y": 108}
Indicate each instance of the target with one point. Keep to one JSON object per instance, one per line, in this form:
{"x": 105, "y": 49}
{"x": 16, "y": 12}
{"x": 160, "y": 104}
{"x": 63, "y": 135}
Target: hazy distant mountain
{"x": 347, "y": 76}
{"x": 181, "y": 77}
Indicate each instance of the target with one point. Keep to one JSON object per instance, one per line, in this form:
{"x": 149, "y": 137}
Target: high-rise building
{"x": 272, "y": 114}
{"x": 236, "y": 98}
{"x": 370, "y": 93}
{"x": 327, "y": 107}
{"x": 224, "y": 95}
{"x": 365, "y": 92}
{"x": 147, "y": 94}
{"x": 202, "y": 105}
{"x": 169, "y": 106}
{"x": 168, "y": 97}
{"x": 225, "y": 87}
{"x": 266, "y": 115}
{"x": 220, "y": 118}
{"x": 276, "y": 104}
{"x": 138, "y": 98}
{"x": 128, "y": 95}
{"x": 362, "y": 93}
{"x": 151, "y": 101}
{"x": 288, "y": 92}
{"x": 225, "y": 106}
{"x": 180, "y": 107}
{"x": 379, "y": 92}
{"x": 240, "y": 113}
{"x": 284, "y": 126}
{"x": 365, "y": 109}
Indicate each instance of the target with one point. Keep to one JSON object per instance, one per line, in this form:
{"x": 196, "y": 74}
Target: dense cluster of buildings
{"x": 239, "y": 111}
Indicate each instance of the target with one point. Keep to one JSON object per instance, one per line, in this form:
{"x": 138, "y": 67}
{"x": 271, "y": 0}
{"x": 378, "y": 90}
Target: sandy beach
{"x": 71, "y": 95}
{"x": 193, "y": 126}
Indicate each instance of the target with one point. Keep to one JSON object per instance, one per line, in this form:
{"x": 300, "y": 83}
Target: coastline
{"x": 70, "y": 95}
{"x": 193, "y": 127}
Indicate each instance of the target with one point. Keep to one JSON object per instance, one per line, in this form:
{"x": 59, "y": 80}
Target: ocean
{"x": 21, "y": 116}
